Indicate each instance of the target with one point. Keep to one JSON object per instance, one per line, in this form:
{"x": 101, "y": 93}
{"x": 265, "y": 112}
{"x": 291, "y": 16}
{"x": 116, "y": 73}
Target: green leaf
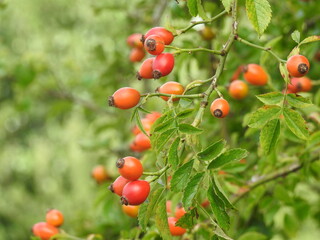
{"x": 139, "y": 124}
{"x": 186, "y": 113}
{"x": 298, "y": 101}
{"x": 192, "y": 6}
{"x": 227, "y": 4}
{"x": 189, "y": 129}
{"x": 164, "y": 126}
{"x": 181, "y": 176}
{"x": 310, "y": 39}
{"x": 269, "y": 136}
{"x": 296, "y": 36}
{"x": 173, "y": 157}
{"x": 264, "y": 114}
{"x": 294, "y": 51}
{"x": 231, "y": 155}
{"x": 220, "y": 193}
{"x": 191, "y": 189}
{"x": 162, "y": 219}
{"x": 271, "y": 98}
{"x": 252, "y": 235}
{"x": 147, "y": 209}
{"x": 218, "y": 208}
{"x": 284, "y": 72}
{"x": 259, "y": 14}
{"x": 201, "y": 11}
{"x": 164, "y": 138}
{"x": 186, "y": 221}
{"x": 296, "y": 123}
{"x": 314, "y": 139}
{"x": 213, "y": 151}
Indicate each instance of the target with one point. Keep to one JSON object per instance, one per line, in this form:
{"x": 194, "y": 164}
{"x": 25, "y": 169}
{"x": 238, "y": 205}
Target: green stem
{"x": 267, "y": 49}
{"x": 315, "y": 82}
{"x": 200, "y": 22}
{"x": 201, "y": 95}
{"x": 191, "y": 50}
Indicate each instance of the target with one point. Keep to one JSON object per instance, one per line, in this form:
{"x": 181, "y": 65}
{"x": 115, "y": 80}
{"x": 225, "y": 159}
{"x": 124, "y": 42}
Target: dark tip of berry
{"x": 142, "y": 39}
{"x": 111, "y": 188}
{"x": 156, "y": 74}
{"x": 124, "y": 201}
{"x": 151, "y": 44}
{"x": 138, "y": 76}
{"x": 120, "y": 162}
{"x": 299, "y": 86}
{"x": 111, "y": 101}
{"x": 179, "y": 205}
{"x": 245, "y": 68}
{"x": 217, "y": 113}
{"x": 303, "y": 68}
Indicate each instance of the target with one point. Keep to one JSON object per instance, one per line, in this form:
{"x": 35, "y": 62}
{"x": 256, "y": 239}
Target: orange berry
{"x": 238, "y": 89}
{"x": 254, "y": 74}
{"x": 219, "y": 108}
{"x": 99, "y": 173}
{"x": 131, "y": 211}
{"x": 44, "y": 230}
{"x": 180, "y": 212}
{"x": 302, "y": 84}
{"x": 175, "y": 230}
{"x": 174, "y": 88}
{"x": 298, "y": 66}
{"x": 137, "y": 54}
{"x": 125, "y": 98}
{"x": 153, "y": 116}
{"x": 130, "y": 168}
{"x": 54, "y": 217}
{"x": 134, "y": 40}
{"x": 142, "y": 142}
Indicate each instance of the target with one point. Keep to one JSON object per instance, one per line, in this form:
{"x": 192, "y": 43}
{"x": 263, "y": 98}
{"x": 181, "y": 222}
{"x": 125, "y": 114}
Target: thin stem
{"x": 315, "y": 82}
{"x": 267, "y": 49}
{"x": 191, "y": 50}
{"x": 200, "y": 22}
{"x": 201, "y": 95}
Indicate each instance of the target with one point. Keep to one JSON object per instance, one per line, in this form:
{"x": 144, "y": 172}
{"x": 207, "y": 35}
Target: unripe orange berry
{"x": 298, "y": 66}
{"x": 254, "y": 74}
{"x": 174, "y": 88}
{"x": 44, "y": 230}
{"x": 175, "y": 230}
{"x": 219, "y": 108}
{"x": 137, "y": 54}
{"x": 99, "y": 173}
{"x": 134, "y": 40}
{"x": 125, "y": 98}
{"x": 238, "y": 89}
{"x": 131, "y": 211}
{"x": 54, "y": 217}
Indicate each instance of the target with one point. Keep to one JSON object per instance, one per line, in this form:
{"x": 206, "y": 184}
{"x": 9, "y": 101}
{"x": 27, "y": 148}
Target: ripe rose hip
{"x": 146, "y": 69}
{"x": 131, "y": 211}
{"x": 99, "y": 173}
{"x": 302, "y": 84}
{"x": 165, "y": 34}
{"x": 142, "y": 142}
{"x": 162, "y": 65}
{"x": 174, "y": 88}
{"x": 175, "y": 230}
{"x": 254, "y": 74}
{"x": 130, "y": 168}
{"x": 238, "y": 89}
{"x": 154, "y": 45}
{"x": 54, "y": 217}
{"x": 44, "y": 230}
{"x": 137, "y": 54}
{"x": 118, "y": 185}
{"x": 134, "y": 40}
{"x": 219, "y": 108}
{"x": 135, "y": 192}
{"x": 298, "y": 66}
{"x": 180, "y": 212}
{"x": 125, "y": 98}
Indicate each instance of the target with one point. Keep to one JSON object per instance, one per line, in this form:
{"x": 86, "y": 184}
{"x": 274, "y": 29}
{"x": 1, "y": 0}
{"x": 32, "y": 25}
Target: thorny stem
{"x": 191, "y": 50}
{"x": 200, "y": 22}
{"x": 267, "y": 49}
{"x": 200, "y": 95}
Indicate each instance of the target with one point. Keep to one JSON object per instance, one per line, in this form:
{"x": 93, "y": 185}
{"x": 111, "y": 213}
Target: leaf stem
{"x": 191, "y": 50}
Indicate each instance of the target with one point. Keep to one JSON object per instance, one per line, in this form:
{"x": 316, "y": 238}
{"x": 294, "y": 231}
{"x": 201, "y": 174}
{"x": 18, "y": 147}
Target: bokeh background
{"x": 60, "y": 60}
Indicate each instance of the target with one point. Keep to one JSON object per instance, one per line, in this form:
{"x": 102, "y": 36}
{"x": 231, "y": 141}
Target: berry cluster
{"x": 48, "y": 229}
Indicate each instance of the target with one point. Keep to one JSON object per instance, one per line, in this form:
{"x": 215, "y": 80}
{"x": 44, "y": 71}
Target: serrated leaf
{"x": 213, "y": 151}
{"x": 164, "y": 138}
{"x": 284, "y": 72}
{"x": 259, "y": 14}
{"x": 218, "y": 208}
{"x": 227, "y": 4}
{"x": 186, "y": 113}
{"x": 235, "y": 154}
{"x": 191, "y": 189}
{"x": 189, "y": 129}
{"x": 310, "y": 39}
{"x": 147, "y": 209}
{"x": 164, "y": 126}
{"x": 296, "y": 36}
{"x": 296, "y": 123}
{"x": 162, "y": 219}
{"x": 173, "y": 157}
{"x": 220, "y": 193}
{"x": 219, "y": 232}
{"x": 181, "y": 176}
{"x": 298, "y": 101}
{"x": 271, "y": 98}
{"x": 201, "y": 11}
{"x": 192, "y": 6}
{"x": 269, "y": 136}
{"x": 186, "y": 221}
{"x": 264, "y": 114}
{"x": 143, "y": 110}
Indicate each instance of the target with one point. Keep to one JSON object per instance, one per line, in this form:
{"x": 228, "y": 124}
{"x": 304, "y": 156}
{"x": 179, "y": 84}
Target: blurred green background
{"x": 59, "y": 61}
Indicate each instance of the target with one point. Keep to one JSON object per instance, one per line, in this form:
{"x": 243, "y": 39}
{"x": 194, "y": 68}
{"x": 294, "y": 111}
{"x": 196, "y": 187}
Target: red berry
{"x": 134, "y": 40}
{"x": 137, "y": 54}
{"x": 125, "y": 98}
{"x": 254, "y": 74}
{"x": 298, "y": 66}
{"x": 165, "y": 34}
{"x": 219, "y": 108}
{"x": 238, "y": 89}
{"x": 118, "y": 185}
{"x": 142, "y": 142}
{"x": 162, "y": 65}
{"x": 154, "y": 45}
{"x": 175, "y": 230}
{"x": 44, "y": 230}
{"x": 135, "y": 192}
{"x": 130, "y": 168}
{"x": 302, "y": 84}
{"x": 174, "y": 88}
{"x": 146, "y": 69}
{"x": 54, "y": 217}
